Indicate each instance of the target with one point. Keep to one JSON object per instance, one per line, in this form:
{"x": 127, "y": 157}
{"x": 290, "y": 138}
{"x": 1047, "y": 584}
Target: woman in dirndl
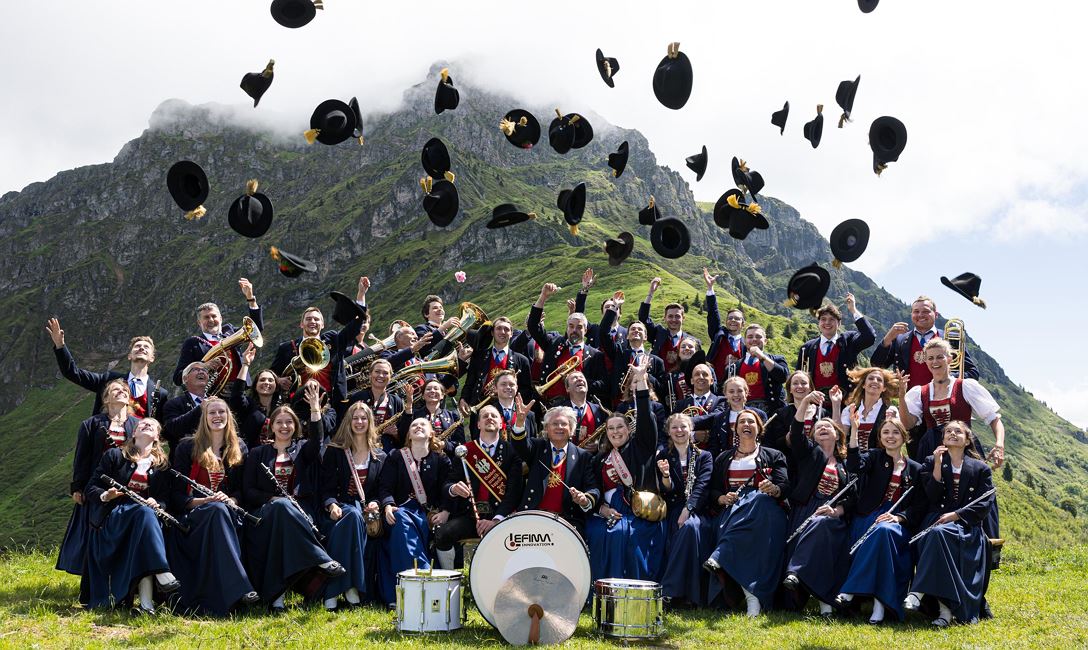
{"x": 126, "y": 553}
{"x": 349, "y": 476}
{"x": 954, "y": 555}
{"x": 817, "y": 557}
{"x": 685, "y": 481}
{"x": 748, "y": 485}
{"x": 209, "y": 556}
{"x": 621, "y": 543}
{"x": 414, "y": 491}
{"x": 283, "y": 551}
{"x": 881, "y": 567}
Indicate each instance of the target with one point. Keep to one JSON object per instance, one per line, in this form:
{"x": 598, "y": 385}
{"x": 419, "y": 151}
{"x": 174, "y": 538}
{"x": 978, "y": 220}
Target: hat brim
{"x": 293, "y": 13}
{"x": 953, "y": 286}
{"x": 605, "y": 76}
{"x": 506, "y": 215}
{"x": 346, "y": 309}
{"x": 293, "y": 266}
{"x": 620, "y": 248}
{"x": 435, "y": 158}
{"x": 844, "y": 95}
{"x": 887, "y": 138}
{"x": 778, "y": 118}
{"x": 240, "y": 218}
{"x": 329, "y": 136}
{"x": 255, "y": 84}
{"x": 187, "y": 184}
{"x": 839, "y": 240}
{"x": 670, "y": 238}
{"x": 809, "y": 286}
{"x": 618, "y": 160}
{"x": 697, "y": 164}
{"x": 672, "y": 81}
{"x": 814, "y": 131}
{"x": 524, "y": 137}
{"x": 648, "y": 216}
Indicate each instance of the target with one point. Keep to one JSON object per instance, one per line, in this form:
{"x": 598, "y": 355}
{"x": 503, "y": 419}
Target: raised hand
{"x": 52, "y": 326}
{"x": 663, "y": 467}
{"x": 835, "y": 394}
{"x": 895, "y": 331}
{"x": 521, "y": 410}
{"x": 362, "y": 288}
{"x": 548, "y": 290}
{"x": 422, "y": 342}
{"x": 655, "y": 284}
{"x": 247, "y": 288}
{"x": 851, "y": 303}
{"x": 587, "y": 279}
{"x": 709, "y": 278}
{"x": 571, "y": 306}
{"x": 249, "y": 355}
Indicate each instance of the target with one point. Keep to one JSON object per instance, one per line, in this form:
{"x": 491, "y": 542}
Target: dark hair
{"x": 430, "y": 300}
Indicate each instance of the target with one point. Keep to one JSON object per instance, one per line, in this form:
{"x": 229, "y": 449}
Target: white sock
{"x": 946, "y": 613}
{"x": 913, "y": 598}
{"x": 847, "y": 597}
{"x": 278, "y": 602}
{"x": 165, "y": 577}
{"x": 330, "y": 603}
{"x": 878, "y": 611}
{"x": 446, "y": 559}
{"x": 825, "y": 608}
{"x": 143, "y": 588}
{"x": 754, "y": 608}
{"x": 352, "y": 596}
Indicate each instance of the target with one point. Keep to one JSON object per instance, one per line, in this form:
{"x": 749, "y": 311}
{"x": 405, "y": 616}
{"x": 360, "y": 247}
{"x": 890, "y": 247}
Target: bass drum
{"x": 527, "y": 540}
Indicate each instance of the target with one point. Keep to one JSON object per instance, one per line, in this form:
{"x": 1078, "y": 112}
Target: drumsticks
{"x": 554, "y": 473}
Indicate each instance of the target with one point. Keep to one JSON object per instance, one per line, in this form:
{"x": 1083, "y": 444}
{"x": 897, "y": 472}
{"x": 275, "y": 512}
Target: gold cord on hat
{"x": 979, "y": 301}
{"x": 651, "y": 206}
{"x": 196, "y": 214}
{"x": 791, "y": 301}
{"x": 251, "y": 187}
{"x": 674, "y": 50}
{"x": 275, "y": 253}
{"x": 507, "y": 127}
{"x": 531, "y": 215}
{"x": 311, "y": 135}
{"x": 750, "y": 208}
{"x": 318, "y": 4}
{"x": 574, "y": 230}
{"x": 426, "y": 183}
{"x": 267, "y": 72}
{"x": 449, "y": 176}
{"x": 880, "y": 167}
{"x": 837, "y": 263}
{"x": 819, "y": 109}
{"x": 607, "y": 69}
{"x": 845, "y": 117}
{"x": 445, "y": 75}
{"x": 742, "y": 166}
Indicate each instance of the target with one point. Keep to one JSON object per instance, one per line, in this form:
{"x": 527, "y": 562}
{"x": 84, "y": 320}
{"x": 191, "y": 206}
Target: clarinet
{"x": 861, "y": 540}
{"x": 830, "y": 502}
{"x": 157, "y": 509}
{"x": 207, "y": 492}
{"x": 985, "y": 495}
{"x": 690, "y": 483}
{"x": 287, "y": 495}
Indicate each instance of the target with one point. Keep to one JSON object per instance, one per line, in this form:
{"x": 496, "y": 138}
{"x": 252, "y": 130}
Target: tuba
{"x": 313, "y": 356}
{"x": 248, "y": 332}
{"x": 954, "y": 334}
{"x": 410, "y": 375}
{"x": 472, "y": 317}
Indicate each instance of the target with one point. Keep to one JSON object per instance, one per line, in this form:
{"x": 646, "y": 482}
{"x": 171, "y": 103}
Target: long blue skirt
{"x": 682, "y": 575}
{"x": 346, "y": 540}
{"x": 953, "y": 567}
{"x": 281, "y": 549}
{"x": 73, "y": 550}
{"x": 409, "y": 538}
{"x": 881, "y": 567}
{"x": 128, "y": 547}
{"x": 819, "y": 555}
{"x": 632, "y": 548}
{"x": 208, "y": 561}
{"x": 751, "y": 536}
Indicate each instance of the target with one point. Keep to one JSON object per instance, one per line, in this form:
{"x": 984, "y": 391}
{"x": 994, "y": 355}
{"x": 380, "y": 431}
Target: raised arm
{"x": 713, "y": 317}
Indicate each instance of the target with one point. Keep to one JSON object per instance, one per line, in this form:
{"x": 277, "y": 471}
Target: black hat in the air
{"x": 732, "y": 212}
{"x": 807, "y": 287}
{"x": 649, "y": 215}
{"x": 967, "y": 285}
{"x": 570, "y": 131}
{"x": 618, "y": 160}
{"x": 778, "y": 118}
{"x": 619, "y": 249}
{"x": 867, "y": 6}
{"x": 573, "y": 204}
{"x": 697, "y": 164}
{"x": 333, "y": 122}
{"x": 357, "y": 132}
{"x": 251, "y": 214}
{"x": 294, "y": 13}
{"x": 441, "y": 201}
{"x": 446, "y": 97}
{"x": 436, "y": 159}
{"x": 346, "y": 309}
{"x": 670, "y": 238}
{"x": 848, "y": 241}
{"x": 608, "y": 67}
{"x": 521, "y": 128}
{"x": 508, "y": 214}
{"x": 814, "y": 130}
{"x": 887, "y": 139}
{"x": 292, "y": 265}
{"x": 255, "y": 84}
{"x": 844, "y": 97}
{"x": 746, "y": 179}
{"x": 188, "y": 186}
{"x": 673, "y": 78}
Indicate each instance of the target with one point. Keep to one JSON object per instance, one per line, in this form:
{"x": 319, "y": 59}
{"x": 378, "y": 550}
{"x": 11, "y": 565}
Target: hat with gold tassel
{"x": 508, "y": 214}
{"x": 255, "y": 84}
{"x": 814, "y": 130}
{"x": 570, "y": 131}
{"x": 967, "y": 285}
{"x": 521, "y": 128}
{"x": 608, "y": 67}
{"x": 731, "y": 211}
{"x": 807, "y": 287}
{"x": 436, "y": 160}
{"x": 357, "y": 132}
{"x": 672, "y": 78}
{"x": 649, "y": 215}
{"x": 291, "y": 265}
{"x": 333, "y": 122}
{"x": 251, "y": 214}
{"x": 844, "y": 97}
{"x": 446, "y": 97}
{"x": 887, "y": 139}
{"x": 618, "y": 160}
{"x": 573, "y": 205}
{"x": 848, "y": 241}
{"x": 746, "y": 179}
{"x": 188, "y": 186}
{"x": 295, "y": 13}
{"x": 440, "y": 200}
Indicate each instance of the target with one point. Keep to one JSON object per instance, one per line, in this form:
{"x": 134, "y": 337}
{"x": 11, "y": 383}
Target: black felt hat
{"x": 608, "y": 67}
{"x": 844, "y": 97}
{"x": 521, "y": 128}
{"x": 436, "y": 159}
{"x": 967, "y": 285}
{"x": 814, "y": 130}
{"x": 256, "y": 83}
{"x": 649, "y": 215}
{"x": 739, "y": 217}
{"x": 848, "y": 241}
{"x": 619, "y": 249}
{"x": 188, "y": 186}
{"x": 573, "y": 204}
{"x": 670, "y": 238}
{"x": 357, "y": 132}
{"x": 441, "y": 201}
{"x": 778, "y": 118}
{"x": 291, "y": 265}
{"x": 333, "y": 122}
{"x": 508, "y": 214}
{"x": 697, "y": 164}
{"x": 570, "y": 131}
{"x": 673, "y": 78}
{"x": 887, "y": 139}
{"x": 346, "y": 309}
{"x": 867, "y": 6}
{"x": 251, "y": 214}
{"x": 807, "y": 287}
{"x": 618, "y": 161}
{"x": 746, "y": 179}
{"x": 446, "y": 97}
{"x": 294, "y": 13}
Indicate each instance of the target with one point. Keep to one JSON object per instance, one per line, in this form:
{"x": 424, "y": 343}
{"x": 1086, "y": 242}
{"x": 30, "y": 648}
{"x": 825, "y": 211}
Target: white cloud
{"x": 1069, "y": 400}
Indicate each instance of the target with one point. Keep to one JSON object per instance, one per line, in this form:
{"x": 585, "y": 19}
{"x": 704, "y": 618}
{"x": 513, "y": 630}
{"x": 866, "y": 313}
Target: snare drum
{"x": 528, "y": 539}
{"x": 429, "y": 601}
{"x": 628, "y": 609}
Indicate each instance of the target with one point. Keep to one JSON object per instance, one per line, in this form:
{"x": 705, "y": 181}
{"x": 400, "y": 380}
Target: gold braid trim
{"x": 449, "y": 176}
{"x": 311, "y": 135}
{"x": 445, "y": 74}
{"x": 196, "y": 213}
{"x": 251, "y": 187}
{"x": 507, "y": 127}
{"x": 426, "y": 183}
{"x": 268, "y": 68}
{"x": 979, "y": 301}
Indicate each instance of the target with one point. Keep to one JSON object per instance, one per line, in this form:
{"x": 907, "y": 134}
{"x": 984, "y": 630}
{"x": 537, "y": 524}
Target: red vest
{"x": 610, "y": 478}
{"x": 735, "y": 478}
{"x": 586, "y": 426}
{"x": 210, "y": 480}
{"x": 919, "y": 371}
{"x": 864, "y": 430}
{"x": 361, "y": 473}
{"x": 825, "y": 373}
{"x": 753, "y": 376}
{"x": 954, "y": 407}
{"x": 284, "y": 472}
{"x": 894, "y": 489}
{"x": 721, "y": 359}
{"x": 671, "y": 354}
{"x": 552, "y": 501}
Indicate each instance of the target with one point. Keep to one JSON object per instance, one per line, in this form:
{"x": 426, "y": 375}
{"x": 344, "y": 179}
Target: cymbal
{"x": 548, "y": 589}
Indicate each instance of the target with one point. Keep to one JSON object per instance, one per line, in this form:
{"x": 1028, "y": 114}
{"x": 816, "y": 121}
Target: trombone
{"x": 557, "y": 375}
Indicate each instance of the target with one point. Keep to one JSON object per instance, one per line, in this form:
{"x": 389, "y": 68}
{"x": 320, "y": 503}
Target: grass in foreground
{"x": 1039, "y": 601}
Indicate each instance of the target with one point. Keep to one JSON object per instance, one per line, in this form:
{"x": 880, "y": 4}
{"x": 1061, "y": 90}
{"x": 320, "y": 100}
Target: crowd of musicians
{"x": 709, "y": 466}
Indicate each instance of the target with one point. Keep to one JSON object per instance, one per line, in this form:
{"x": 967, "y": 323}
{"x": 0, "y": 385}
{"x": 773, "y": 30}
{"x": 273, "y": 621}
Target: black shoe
{"x": 169, "y": 587}
{"x": 791, "y": 582}
{"x": 140, "y": 610}
{"x": 332, "y": 569}
{"x": 711, "y": 565}
{"x": 277, "y": 610}
{"x": 252, "y": 598}
{"x": 843, "y": 604}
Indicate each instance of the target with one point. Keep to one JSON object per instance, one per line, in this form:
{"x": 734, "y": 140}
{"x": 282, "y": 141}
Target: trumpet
{"x": 218, "y": 380}
{"x": 557, "y": 375}
{"x": 954, "y": 334}
{"x": 313, "y": 356}
{"x": 472, "y": 317}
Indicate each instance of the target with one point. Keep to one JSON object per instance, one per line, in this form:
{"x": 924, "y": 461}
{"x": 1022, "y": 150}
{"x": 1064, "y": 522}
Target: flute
{"x": 861, "y": 540}
{"x": 205, "y": 491}
{"x": 157, "y": 509}
{"x": 461, "y": 451}
{"x": 984, "y": 495}
{"x": 287, "y": 495}
{"x": 830, "y": 502}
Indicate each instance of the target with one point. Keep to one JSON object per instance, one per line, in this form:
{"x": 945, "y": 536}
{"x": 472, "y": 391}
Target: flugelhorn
{"x": 557, "y": 375}
{"x": 472, "y": 317}
{"x": 954, "y": 334}
{"x": 217, "y": 381}
{"x": 357, "y": 366}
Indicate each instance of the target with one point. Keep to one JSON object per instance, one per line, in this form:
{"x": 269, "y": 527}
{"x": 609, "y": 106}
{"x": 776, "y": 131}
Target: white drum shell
{"x": 429, "y": 601}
